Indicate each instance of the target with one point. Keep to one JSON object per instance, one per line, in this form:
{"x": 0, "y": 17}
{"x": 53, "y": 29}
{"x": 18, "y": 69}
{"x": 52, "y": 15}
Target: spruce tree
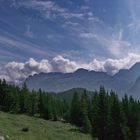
{"x": 133, "y": 119}
{"x": 115, "y": 123}
{"x": 75, "y": 113}
{"x": 84, "y": 106}
{"x": 40, "y": 103}
{"x": 101, "y": 116}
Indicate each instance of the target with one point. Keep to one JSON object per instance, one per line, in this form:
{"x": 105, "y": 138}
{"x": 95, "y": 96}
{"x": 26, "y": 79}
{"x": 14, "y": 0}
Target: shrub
{"x": 25, "y": 129}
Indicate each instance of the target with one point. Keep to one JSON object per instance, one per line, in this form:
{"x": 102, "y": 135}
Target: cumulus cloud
{"x": 62, "y": 64}
{"x": 112, "y": 66}
{"x": 18, "y": 72}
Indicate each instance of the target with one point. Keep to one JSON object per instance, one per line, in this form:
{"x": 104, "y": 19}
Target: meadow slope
{"x": 39, "y": 129}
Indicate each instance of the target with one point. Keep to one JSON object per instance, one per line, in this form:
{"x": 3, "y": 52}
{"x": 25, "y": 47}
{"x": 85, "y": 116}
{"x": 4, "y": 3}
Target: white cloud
{"x": 72, "y": 23}
{"x": 21, "y": 44}
{"x": 63, "y": 65}
{"x": 113, "y": 44}
{"x": 112, "y": 66}
{"x": 50, "y": 9}
{"x": 88, "y": 35}
{"x": 18, "y": 72}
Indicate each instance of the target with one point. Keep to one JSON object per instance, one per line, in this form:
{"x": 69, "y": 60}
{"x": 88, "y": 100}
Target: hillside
{"x": 68, "y": 95}
{"x": 39, "y": 129}
{"x": 82, "y": 78}
{"x": 135, "y": 89}
{"x": 59, "y": 82}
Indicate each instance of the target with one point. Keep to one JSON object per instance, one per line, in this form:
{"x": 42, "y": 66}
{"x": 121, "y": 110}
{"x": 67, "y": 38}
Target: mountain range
{"x": 125, "y": 81}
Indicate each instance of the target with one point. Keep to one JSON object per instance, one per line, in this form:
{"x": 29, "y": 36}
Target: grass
{"x": 12, "y": 126}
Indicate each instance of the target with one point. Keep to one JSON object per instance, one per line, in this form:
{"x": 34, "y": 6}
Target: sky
{"x": 64, "y": 35}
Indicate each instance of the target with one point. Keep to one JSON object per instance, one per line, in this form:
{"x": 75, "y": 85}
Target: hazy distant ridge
{"x": 91, "y": 80}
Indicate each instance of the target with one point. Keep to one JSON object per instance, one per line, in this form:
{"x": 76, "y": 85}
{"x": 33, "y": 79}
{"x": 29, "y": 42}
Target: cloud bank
{"x": 17, "y": 72}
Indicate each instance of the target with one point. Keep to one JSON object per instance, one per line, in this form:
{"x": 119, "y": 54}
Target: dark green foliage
{"x": 16, "y": 100}
{"x": 25, "y": 129}
{"x": 99, "y": 114}
{"x": 133, "y": 118}
{"x": 103, "y": 115}
{"x": 75, "y": 112}
{"x": 86, "y": 125}
{"x": 115, "y": 124}
{"x": 32, "y": 104}
{"x": 84, "y": 108}
{"x": 23, "y": 98}
{"x": 40, "y": 103}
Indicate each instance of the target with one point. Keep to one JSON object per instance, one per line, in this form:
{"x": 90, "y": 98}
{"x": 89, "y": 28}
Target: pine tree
{"x": 101, "y": 116}
{"x": 40, "y": 103}
{"x": 133, "y": 119}
{"x": 115, "y": 125}
{"x": 125, "y": 107}
{"x": 15, "y": 105}
{"x": 84, "y": 106}
{"x": 32, "y": 104}
{"x": 22, "y": 99}
{"x": 75, "y": 112}
{"x": 86, "y": 125}
{"x": 3, "y": 90}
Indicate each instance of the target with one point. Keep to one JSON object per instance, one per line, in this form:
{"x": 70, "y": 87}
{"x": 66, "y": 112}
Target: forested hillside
{"x": 103, "y": 114}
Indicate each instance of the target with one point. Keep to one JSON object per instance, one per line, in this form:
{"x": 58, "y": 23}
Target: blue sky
{"x": 76, "y": 30}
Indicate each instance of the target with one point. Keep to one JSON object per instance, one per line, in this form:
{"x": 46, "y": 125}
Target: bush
{"x": 25, "y": 129}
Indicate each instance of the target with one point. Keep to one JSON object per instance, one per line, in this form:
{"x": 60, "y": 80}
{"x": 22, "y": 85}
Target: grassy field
{"x": 39, "y": 129}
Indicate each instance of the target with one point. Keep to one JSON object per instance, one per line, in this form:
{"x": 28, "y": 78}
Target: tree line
{"x": 104, "y": 115}
{"x": 34, "y": 103}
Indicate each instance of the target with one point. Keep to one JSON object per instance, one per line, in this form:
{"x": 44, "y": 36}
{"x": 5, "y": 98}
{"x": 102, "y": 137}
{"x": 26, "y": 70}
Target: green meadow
{"x": 12, "y": 128}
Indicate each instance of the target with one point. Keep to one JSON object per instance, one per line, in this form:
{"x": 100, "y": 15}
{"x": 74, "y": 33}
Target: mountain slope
{"x": 59, "y": 82}
{"x": 135, "y": 89}
{"x": 90, "y": 80}
{"x": 129, "y": 74}
{"x": 68, "y": 95}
